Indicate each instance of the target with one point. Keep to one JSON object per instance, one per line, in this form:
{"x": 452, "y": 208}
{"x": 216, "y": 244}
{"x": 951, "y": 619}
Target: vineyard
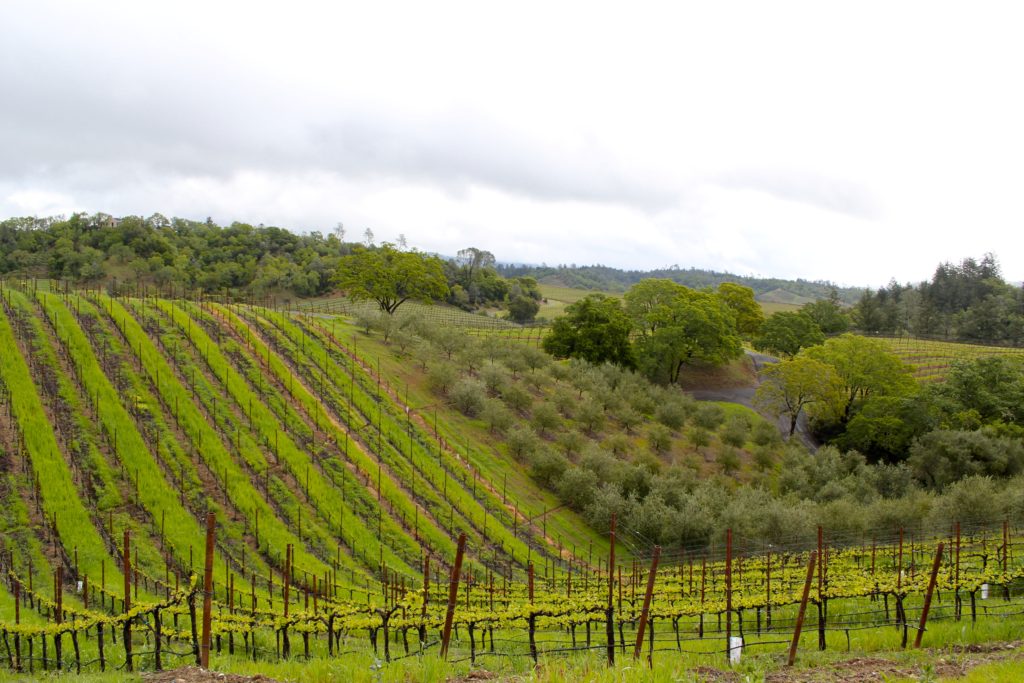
{"x": 212, "y": 483}
{"x": 932, "y": 358}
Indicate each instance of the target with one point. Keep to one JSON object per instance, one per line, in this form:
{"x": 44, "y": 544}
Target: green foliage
{"x": 516, "y": 398}
{"x": 659, "y": 438}
{"x": 827, "y": 314}
{"x": 699, "y": 437}
{"x": 523, "y": 309}
{"x": 709, "y": 416}
{"x": 496, "y": 415}
{"x": 764, "y": 433}
{"x": 943, "y": 457}
{"x": 672, "y": 414}
{"x": 679, "y": 326}
{"x": 590, "y": 415}
{"x": 993, "y": 386}
{"x": 468, "y": 396}
{"x": 735, "y": 431}
{"x": 546, "y": 418}
{"x": 746, "y": 310}
{"x": 521, "y": 442}
{"x": 595, "y": 329}
{"x": 577, "y": 486}
{"x": 789, "y": 386}
{"x": 787, "y": 333}
{"x": 570, "y": 441}
{"x": 729, "y": 460}
{"x": 866, "y": 368}
{"x": 391, "y": 277}
{"x": 547, "y": 466}
{"x": 442, "y": 377}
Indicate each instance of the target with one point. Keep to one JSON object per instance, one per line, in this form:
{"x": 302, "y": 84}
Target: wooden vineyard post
{"x": 928, "y": 596}
{"x": 453, "y": 594}
{"x": 611, "y": 595}
{"x": 59, "y": 613}
{"x": 17, "y": 621}
{"x": 532, "y": 618}
{"x": 956, "y": 576}
{"x": 821, "y": 593}
{"x": 728, "y": 595}
{"x": 127, "y": 567}
{"x": 647, "y": 608}
{"x": 204, "y": 647}
{"x": 803, "y": 608}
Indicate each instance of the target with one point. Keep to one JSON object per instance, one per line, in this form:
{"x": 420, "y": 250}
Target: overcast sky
{"x": 852, "y": 142}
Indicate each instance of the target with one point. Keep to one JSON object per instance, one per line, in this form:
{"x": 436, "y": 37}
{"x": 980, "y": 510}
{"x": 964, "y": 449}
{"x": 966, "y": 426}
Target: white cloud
{"x": 854, "y": 143}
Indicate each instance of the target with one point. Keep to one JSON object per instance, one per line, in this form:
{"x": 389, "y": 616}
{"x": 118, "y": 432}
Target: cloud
{"x": 763, "y": 141}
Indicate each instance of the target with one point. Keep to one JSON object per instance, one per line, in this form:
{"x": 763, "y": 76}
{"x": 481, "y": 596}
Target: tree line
{"x": 969, "y": 301}
{"x": 244, "y": 260}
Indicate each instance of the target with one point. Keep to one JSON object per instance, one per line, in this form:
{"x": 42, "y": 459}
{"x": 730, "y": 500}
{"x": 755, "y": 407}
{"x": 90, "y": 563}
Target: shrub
{"x": 590, "y": 415}
{"x": 629, "y": 418}
{"x": 735, "y": 431}
{"x": 728, "y": 459}
{"x": 765, "y": 433}
{"x": 495, "y": 379}
{"x": 496, "y": 415}
{"x": 576, "y": 487}
{"x": 521, "y": 442}
{"x": 764, "y": 458}
{"x": 618, "y": 444}
{"x": 659, "y": 438}
{"x": 709, "y": 416}
{"x": 516, "y": 398}
{"x": 468, "y": 396}
{"x": 565, "y": 401}
{"x": 441, "y": 377}
{"x": 545, "y": 418}
{"x": 671, "y": 414}
{"x": 699, "y": 437}
{"x": 570, "y": 442}
{"x": 547, "y": 466}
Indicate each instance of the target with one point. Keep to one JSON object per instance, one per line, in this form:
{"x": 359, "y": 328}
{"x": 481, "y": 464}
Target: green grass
{"x": 271, "y": 431}
{"x": 59, "y": 494}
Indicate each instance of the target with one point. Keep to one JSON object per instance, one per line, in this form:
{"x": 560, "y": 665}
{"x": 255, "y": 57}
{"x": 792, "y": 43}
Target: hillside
{"x": 606, "y": 278}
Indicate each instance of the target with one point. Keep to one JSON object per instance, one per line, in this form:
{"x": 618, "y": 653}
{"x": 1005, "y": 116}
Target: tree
{"x": 828, "y": 314}
{"x": 595, "y": 329}
{"x": 789, "y": 386}
{"x": 744, "y": 307}
{"x": 991, "y": 386}
{"x": 785, "y": 333}
{"x": 522, "y": 309}
{"x": 391, "y": 277}
{"x": 679, "y": 325}
{"x": 867, "y": 368}
{"x": 942, "y": 457}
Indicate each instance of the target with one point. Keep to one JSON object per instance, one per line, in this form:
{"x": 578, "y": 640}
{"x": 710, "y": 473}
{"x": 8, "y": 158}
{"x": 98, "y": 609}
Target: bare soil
{"x": 194, "y": 674}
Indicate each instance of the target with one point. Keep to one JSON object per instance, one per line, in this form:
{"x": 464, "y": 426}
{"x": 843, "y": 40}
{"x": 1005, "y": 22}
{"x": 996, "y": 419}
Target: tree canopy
{"x": 391, "y": 277}
{"x": 679, "y": 325}
{"x": 740, "y": 300}
{"x": 595, "y": 328}
{"x": 785, "y": 333}
{"x": 789, "y": 386}
{"x": 867, "y": 368}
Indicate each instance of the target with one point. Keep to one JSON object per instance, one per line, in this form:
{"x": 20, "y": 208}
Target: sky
{"x": 850, "y": 142}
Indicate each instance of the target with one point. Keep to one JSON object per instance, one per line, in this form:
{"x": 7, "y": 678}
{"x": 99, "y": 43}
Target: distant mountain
{"x": 598, "y": 277}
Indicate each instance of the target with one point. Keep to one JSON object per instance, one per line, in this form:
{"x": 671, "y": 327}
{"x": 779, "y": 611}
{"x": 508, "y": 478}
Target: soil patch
{"x": 194, "y": 674}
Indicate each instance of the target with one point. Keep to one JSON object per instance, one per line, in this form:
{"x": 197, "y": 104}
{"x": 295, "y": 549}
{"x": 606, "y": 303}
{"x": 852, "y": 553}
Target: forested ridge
{"x": 259, "y": 259}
